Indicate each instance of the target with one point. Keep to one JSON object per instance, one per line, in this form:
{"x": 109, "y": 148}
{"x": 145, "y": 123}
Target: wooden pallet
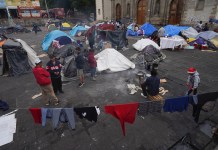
{"x": 155, "y": 98}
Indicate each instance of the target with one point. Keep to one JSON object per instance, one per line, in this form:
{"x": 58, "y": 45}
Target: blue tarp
{"x": 213, "y": 20}
{"x": 50, "y": 37}
{"x": 148, "y": 29}
{"x": 77, "y": 29}
{"x": 131, "y": 33}
{"x": 171, "y": 30}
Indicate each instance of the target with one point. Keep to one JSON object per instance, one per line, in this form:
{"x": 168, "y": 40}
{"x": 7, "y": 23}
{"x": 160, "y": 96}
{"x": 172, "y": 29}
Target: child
{"x": 193, "y": 81}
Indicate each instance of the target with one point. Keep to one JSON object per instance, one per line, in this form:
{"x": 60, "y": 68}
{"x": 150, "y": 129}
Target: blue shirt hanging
{"x": 176, "y": 104}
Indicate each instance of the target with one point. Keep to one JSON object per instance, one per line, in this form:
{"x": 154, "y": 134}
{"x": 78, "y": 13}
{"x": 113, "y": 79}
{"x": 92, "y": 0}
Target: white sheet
{"x": 111, "y": 59}
{"x": 190, "y": 32}
{"x": 32, "y": 56}
{"x": 8, "y": 128}
{"x": 171, "y": 42}
{"x": 141, "y": 44}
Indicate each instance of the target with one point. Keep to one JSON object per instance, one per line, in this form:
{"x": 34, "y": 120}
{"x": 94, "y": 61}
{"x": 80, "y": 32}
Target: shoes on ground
{"x": 143, "y": 95}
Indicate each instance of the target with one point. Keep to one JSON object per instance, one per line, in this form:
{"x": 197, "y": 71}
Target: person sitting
{"x": 199, "y": 26}
{"x": 206, "y": 27}
{"x": 151, "y": 85}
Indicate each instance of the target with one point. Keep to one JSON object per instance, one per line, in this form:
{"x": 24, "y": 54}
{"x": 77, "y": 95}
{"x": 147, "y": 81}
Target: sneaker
{"x": 93, "y": 78}
{"x": 81, "y": 84}
{"x": 143, "y": 95}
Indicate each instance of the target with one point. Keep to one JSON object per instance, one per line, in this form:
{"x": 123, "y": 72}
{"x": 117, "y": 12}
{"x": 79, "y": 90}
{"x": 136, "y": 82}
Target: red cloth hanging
{"x": 37, "y": 115}
{"x": 123, "y": 112}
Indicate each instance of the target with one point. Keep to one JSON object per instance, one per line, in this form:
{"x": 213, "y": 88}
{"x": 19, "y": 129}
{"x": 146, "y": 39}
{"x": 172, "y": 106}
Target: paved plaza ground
{"x": 157, "y": 131}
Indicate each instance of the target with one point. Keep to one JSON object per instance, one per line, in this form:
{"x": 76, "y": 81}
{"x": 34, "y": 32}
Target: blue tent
{"x": 148, "y": 29}
{"x": 171, "y": 30}
{"x": 50, "y": 37}
{"x": 77, "y": 29}
{"x": 131, "y": 33}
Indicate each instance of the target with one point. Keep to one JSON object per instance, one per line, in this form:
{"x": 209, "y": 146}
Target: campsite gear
{"x": 3, "y": 105}
{"x": 47, "y": 41}
{"x": 110, "y": 59}
{"x": 123, "y": 112}
{"x": 171, "y": 30}
{"x": 15, "y": 58}
{"x": 65, "y": 26}
{"x": 37, "y": 115}
{"x": 89, "y": 113}
{"x": 176, "y": 104}
{"x": 172, "y": 42}
{"x": 202, "y": 100}
{"x": 78, "y": 31}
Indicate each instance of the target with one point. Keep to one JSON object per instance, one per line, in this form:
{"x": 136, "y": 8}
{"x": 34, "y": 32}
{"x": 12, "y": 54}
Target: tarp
{"x": 171, "y": 30}
{"x": 50, "y": 37}
{"x": 207, "y": 35}
{"x": 190, "y": 33}
{"x": 117, "y": 38}
{"x": 110, "y": 59}
{"x": 32, "y": 56}
{"x": 214, "y": 41}
{"x": 141, "y": 44}
{"x": 15, "y": 58}
{"x": 76, "y": 30}
{"x": 64, "y": 40}
{"x": 148, "y": 29}
{"x": 109, "y": 27}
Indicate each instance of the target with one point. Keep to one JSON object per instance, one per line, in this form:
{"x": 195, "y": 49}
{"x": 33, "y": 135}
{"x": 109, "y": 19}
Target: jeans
{"x": 93, "y": 71}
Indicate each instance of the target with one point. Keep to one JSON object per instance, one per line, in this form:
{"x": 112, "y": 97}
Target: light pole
{"x": 47, "y": 8}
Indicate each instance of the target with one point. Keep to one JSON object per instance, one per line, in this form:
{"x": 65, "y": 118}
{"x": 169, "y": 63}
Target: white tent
{"x": 32, "y": 56}
{"x": 141, "y": 44}
{"x": 190, "y": 32}
{"x": 111, "y": 59}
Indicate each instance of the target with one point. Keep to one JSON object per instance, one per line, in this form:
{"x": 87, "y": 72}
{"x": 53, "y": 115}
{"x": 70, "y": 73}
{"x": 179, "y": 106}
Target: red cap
{"x": 191, "y": 70}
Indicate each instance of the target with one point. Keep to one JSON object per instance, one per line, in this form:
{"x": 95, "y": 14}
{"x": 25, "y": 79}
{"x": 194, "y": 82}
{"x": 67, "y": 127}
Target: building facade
{"x": 158, "y": 11}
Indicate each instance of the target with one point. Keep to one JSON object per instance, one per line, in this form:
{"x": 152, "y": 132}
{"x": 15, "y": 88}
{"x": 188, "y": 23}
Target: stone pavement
{"x": 153, "y": 132}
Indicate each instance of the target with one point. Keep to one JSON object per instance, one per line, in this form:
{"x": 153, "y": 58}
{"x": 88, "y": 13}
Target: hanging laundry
{"x": 37, "y": 115}
{"x": 202, "y": 100}
{"x": 176, "y": 104}
{"x": 3, "y": 105}
{"x": 90, "y": 113}
{"x": 123, "y": 112}
{"x": 58, "y": 115}
{"x": 149, "y": 107}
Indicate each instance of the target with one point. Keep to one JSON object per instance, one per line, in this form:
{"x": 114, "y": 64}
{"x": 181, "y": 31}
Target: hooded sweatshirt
{"x": 193, "y": 80}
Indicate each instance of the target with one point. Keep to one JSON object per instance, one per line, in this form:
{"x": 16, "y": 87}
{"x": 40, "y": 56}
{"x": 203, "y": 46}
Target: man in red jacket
{"x": 43, "y": 79}
{"x": 92, "y": 63}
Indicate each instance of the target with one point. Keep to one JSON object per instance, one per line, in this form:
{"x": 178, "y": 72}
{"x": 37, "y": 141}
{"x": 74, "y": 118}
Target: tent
{"x": 47, "y": 41}
{"x": 116, "y": 38}
{"x": 148, "y": 29}
{"x": 190, "y": 33}
{"x": 131, "y": 32}
{"x": 110, "y": 59}
{"x": 207, "y": 35}
{"x": 52, "y": 27}
{"x": 78, "y": 31}
{"x": 65, "y": 26}
{"x": 141, "y": 44}
{"x": 171, "y": 30}
{"x": 15, "y": 58}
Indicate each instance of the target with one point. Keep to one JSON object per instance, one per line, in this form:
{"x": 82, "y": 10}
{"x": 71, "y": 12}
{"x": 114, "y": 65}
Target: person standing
{"x": 193, "y": 81}
{"x": 42, "y": 77}
{"x": 54, "y": 68}
{"x": 35, "y": 28}
{"x": 92, "y": 63}
{"x": 80, "y": 62}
